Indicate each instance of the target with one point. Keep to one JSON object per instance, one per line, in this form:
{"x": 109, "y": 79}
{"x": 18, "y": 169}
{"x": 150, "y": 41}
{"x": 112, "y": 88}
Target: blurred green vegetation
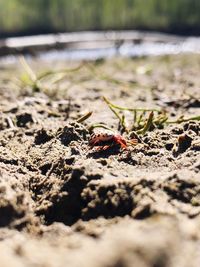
{"x": 41, "y": 16}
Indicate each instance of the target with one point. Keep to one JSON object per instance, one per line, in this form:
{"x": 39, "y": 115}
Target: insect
{"x": 107, "y": 140}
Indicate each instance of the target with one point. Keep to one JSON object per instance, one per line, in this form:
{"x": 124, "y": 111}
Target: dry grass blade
{"x": 30, "y": 79}
{"x": 84, "y": 117}
{"x": 28, "y": 69}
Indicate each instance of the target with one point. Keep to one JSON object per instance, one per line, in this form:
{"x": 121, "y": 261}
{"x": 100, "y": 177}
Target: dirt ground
{"x": 64, "y": 203}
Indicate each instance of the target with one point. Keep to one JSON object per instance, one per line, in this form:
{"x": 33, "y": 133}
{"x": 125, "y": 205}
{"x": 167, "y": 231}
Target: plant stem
{"x": 147, "y": 125}
{"x": 121, "y": 119}
{"x": 196, "y": 118}
{"x": 128, "y": 109}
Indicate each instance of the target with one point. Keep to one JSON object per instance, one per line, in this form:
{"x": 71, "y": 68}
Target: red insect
{"x": 107, "y": 140}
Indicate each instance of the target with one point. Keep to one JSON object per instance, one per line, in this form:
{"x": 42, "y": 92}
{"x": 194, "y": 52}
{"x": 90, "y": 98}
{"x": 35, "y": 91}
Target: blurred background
{"x": 25, "y": 17}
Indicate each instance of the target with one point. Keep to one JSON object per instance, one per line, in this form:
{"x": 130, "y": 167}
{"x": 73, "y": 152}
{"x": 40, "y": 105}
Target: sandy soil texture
{"x": 64, "y": 203}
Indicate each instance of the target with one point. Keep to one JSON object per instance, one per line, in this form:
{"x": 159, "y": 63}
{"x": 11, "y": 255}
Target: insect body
{"x": 107, "y": 140}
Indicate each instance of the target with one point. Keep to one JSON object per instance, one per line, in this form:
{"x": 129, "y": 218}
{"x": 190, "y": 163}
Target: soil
{"x": 64, "y": 203}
